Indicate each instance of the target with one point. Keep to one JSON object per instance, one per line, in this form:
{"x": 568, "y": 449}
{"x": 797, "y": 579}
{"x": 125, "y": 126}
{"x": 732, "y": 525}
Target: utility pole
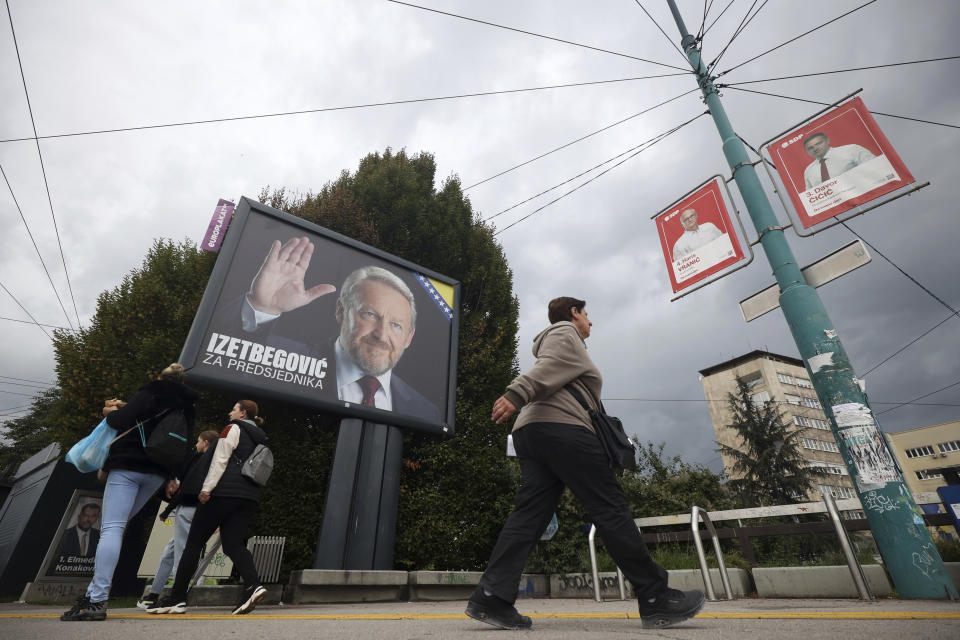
{"x": 896, "y": 521}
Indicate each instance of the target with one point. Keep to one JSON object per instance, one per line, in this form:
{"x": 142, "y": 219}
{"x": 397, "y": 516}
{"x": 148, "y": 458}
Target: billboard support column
{"x": 360, "y": 512}
{"x": 897, "y": 523}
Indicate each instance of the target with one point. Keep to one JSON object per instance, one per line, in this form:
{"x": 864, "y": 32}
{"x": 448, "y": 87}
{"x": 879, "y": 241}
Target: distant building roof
{"x": 747, "y": 357}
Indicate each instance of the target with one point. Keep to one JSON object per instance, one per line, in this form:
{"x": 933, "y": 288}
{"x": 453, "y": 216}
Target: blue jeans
{"x": 183, "y": 516}
{"x": 125, "y": 494}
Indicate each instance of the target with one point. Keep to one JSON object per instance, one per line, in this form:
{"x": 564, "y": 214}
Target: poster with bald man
{"x": 697, "y": 237}
{"x": 297, "y": 312}
{"x": 837, "y": 162}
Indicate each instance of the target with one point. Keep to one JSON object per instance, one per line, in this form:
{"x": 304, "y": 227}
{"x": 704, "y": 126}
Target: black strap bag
{"x": 620, "y": 450}
{"x": 169, "y": 443}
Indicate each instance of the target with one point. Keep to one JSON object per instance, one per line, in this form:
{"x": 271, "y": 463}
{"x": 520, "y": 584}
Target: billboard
{"x": 74, "y": 548}
{"x": 301, "y": 314}
{"x": 837, "y": 162}
{"x": 697, "y": 236}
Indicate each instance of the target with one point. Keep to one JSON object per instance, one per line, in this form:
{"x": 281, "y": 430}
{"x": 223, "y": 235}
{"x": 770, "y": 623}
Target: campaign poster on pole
{"x": 697, "y": 236}
{"x": 298, "y": 313}
{"x": 837, "y": 162}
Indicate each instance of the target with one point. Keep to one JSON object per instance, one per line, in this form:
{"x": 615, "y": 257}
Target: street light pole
{"x": 896, "y": 521}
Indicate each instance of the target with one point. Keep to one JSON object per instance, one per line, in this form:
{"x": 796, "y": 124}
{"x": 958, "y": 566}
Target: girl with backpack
{"x": 228, "y": 500}
{"x": 132, "y": 478}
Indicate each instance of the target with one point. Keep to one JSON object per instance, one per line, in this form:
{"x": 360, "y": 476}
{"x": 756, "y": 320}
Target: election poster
{"x": 299, "y": 313}
{"x": 74, "y": 547}
{"x": 837, "y": 162}
{"x": 697, "y": 236}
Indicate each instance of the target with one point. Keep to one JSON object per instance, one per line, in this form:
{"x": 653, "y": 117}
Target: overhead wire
{"x": 824, "y": 73}
{"x": 571, "y": 179}
{"x": 736, "y": 32}
{"x": 25, "y": 310}
{"x": 739, "y": 31}
{"x": 657, "y": 25}
{"x": 876, "y": 113}
{"x": 926, "y": 395}
{"x": 537, "y": 35}
{"x": 35, "y": 247}
{"x": 580, "y": 139}
{"x": 43, "y": 169}
{"x": 22, "y": 384}
{"x": 795, "y": 38}
{"x": 339, "y": 108}
{"x": 52, "y": 326}
{"x": 49, "y": 384}
{"x": 585, "y": 183}
{"x": 729, "y": 4}
{"x": 706, "y": 10}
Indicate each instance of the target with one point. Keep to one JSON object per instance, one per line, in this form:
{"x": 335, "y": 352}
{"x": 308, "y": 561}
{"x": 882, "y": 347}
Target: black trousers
{"x": 553, "y": 456}
{"x": 231, "y": 515}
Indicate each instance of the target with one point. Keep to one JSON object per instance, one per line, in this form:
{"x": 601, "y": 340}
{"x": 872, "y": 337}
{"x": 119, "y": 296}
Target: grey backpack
{"x": 259, "y": 465}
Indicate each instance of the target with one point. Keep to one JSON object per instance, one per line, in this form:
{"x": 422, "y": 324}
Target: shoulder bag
{"x": 621, "y": 453}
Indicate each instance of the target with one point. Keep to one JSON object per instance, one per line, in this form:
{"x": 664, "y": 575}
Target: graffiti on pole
{"x": 865, "y": 447}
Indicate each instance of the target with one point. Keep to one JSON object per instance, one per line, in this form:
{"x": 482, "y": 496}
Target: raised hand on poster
{"x": 279, "y": 285}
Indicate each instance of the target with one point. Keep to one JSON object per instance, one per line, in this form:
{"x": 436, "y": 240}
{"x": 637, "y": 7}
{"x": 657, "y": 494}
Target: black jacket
{"x": 232, "y": 483}
{"x": 191, "y": 480}
{"x": 152, "y": 398}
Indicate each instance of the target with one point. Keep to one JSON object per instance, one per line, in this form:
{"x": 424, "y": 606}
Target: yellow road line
{"x": 738, "y": 615}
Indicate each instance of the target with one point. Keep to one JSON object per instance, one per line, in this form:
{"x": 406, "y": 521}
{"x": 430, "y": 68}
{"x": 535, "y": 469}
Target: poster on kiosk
{"x": 837, "y": 162}
{"x": 697, "y": 237}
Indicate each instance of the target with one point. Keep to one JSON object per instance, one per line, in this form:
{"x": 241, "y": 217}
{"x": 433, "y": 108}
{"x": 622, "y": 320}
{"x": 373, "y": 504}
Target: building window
{"x": 802, "y": 382}
{"x": 759, "y": 398}
{"x": 836, "y": 492}
{"x": 819, "y": 445}
{"x": 827, "y": 467}
{"x": 754, "y": 379}
{"x": 928, "y": 475}
{"x": 813, "y": 403}
{"x": 785, "y": 378}
{"x": 792, "y": 399}
{"x": 946, "y": 447}
{"x": 820, "y": 424}
{"x": 801, "y": 421}
{"x": 920, "y": 452}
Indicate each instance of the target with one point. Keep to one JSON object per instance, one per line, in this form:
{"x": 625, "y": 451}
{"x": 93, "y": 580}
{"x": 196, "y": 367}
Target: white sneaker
{"x": 249, "y": 600}
{"x": 168, "y": 605}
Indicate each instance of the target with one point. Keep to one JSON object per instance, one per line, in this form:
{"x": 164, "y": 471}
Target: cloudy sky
{"x": 97, "y": 65}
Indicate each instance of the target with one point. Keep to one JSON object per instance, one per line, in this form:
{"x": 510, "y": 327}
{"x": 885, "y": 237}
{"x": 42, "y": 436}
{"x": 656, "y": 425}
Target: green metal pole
{"x": 896, "y": 521}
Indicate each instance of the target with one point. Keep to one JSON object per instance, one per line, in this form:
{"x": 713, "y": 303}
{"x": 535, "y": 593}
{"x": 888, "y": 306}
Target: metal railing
{"x": 696, "y": 515}
{"x": 592, "y": 541}
{"x": 856, "y": 571}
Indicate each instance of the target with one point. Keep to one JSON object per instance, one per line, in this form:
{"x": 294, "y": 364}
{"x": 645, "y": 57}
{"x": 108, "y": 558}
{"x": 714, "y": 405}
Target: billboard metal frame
{"x": 193, "y": 345}
{"x": 747, "y": 245}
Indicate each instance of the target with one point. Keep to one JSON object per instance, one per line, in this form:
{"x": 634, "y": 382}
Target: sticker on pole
{"x": 837, "y": 162}
{"x": 697, "y": 236}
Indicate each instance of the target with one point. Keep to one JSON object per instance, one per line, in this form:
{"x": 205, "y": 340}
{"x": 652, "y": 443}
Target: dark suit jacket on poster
{"x": 406, "y": 400}
{"x": 70, "y": 543}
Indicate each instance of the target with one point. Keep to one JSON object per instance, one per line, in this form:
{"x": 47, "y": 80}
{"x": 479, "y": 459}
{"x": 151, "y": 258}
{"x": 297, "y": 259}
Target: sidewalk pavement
{"x": 558, "y": 619}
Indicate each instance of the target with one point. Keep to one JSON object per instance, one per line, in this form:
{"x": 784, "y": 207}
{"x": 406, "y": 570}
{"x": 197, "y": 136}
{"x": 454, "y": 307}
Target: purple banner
{"x": 218, "y": 224}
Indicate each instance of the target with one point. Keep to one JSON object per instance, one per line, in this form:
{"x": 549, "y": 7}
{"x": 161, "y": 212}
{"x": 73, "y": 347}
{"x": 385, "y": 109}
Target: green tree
{"x": 768, "y": 468}
{"x": 24, "y": 436}
{"x": 454, "y": 493}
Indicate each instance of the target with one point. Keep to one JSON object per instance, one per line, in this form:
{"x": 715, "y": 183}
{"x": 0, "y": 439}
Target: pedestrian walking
{"x": 132, "y": 478}
{"x": 227, "y": 499}
{"x": 557, "y": 447}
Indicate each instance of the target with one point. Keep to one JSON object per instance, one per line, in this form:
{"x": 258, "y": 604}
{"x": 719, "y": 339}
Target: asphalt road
{"x": 554, "y": 619}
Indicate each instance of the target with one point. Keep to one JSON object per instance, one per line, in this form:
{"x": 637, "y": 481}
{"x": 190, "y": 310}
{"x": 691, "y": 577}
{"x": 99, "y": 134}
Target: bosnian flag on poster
{"x": 837, "y": 162}
{"x": 697, "y": 237}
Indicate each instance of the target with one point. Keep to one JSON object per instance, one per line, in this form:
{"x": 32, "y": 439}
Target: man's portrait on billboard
{"x": 830, "y": 162}
{"x": 695, "y": 235}
{"x": 376, "y": 314}
{"x": 75, "y": 546}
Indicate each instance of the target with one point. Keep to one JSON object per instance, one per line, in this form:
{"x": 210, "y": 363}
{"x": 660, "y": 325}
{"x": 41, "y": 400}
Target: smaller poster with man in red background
{"x": 837, "y": 162}
{"x": 697, "y": 237}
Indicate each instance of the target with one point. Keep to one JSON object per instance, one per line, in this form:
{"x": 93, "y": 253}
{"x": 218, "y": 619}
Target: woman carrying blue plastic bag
{"x": 131, "y": 479}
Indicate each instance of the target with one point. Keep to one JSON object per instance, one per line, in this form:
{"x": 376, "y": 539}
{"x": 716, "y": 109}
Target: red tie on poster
{"x": 370, "y": 386}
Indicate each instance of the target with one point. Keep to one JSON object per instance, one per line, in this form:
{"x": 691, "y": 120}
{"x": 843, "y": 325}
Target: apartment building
{"x": 784, "y": 380}
{"x": 928, "y": 456}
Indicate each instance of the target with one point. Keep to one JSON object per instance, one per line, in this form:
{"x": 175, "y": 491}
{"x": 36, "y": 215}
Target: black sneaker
{"x": 148, "y": 601}
{"x": 496, "y": 612}
{"x": 249, "y": 599}
{"x": 670, "y": 607}
{"x": 86, "y": 610}
{"x": 168, "y": 605}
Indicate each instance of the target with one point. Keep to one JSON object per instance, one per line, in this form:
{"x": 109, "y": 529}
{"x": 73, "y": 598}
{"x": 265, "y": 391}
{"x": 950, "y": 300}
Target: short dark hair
{"x": 818, "y": 134}
{"x": 90, "y": 505}
{"x": 559, "y": 308}
{"x": 209, "y": 435}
